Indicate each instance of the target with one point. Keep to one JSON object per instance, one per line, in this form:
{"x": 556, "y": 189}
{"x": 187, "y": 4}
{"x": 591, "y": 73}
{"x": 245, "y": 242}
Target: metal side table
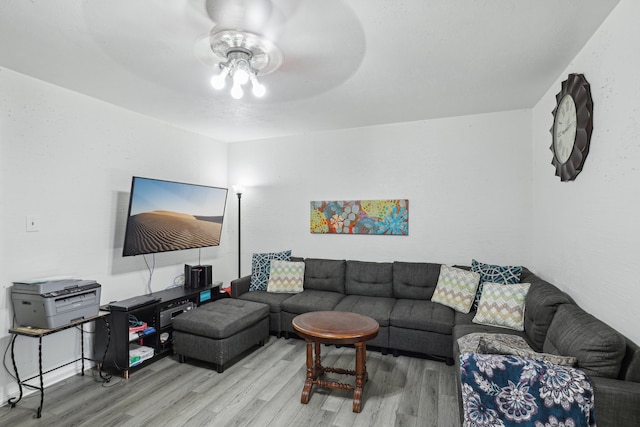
{"x": 39, "y": 333}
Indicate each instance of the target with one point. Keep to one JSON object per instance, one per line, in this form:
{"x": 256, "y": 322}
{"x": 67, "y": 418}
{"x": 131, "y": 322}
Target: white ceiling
{"x": 346, "y": 63}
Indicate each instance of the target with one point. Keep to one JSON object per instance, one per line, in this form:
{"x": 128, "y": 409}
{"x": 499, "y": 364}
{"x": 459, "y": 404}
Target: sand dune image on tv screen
{"x": 161, "y": 231}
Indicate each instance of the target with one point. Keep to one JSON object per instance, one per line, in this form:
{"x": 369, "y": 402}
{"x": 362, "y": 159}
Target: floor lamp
{"x": 239, "y": 190}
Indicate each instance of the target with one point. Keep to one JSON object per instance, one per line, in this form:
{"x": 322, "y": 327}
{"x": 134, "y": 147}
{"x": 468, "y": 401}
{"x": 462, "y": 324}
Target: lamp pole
{"x": 239, "y": 189}
{"x": 239, "y": 196}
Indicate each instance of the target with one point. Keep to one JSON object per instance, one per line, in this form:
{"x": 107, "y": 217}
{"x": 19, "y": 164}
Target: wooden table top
{"x": 335, "y": 327}
{"x": 40, "y": 332}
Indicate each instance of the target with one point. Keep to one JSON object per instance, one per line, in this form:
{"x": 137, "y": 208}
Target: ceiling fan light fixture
{"x": 257, "y": 88}
{"x": 236, "y": 91}
{"x": 218, "y": 80}
{"x": 242, "y": 56}
{"x": 240, "y": 72}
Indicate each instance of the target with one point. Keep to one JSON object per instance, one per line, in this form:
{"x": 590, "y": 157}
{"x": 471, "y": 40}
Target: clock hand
{"x": 568, "y": 128}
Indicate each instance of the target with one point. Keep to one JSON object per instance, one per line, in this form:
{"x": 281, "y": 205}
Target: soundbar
{"x": 132, "y": 303}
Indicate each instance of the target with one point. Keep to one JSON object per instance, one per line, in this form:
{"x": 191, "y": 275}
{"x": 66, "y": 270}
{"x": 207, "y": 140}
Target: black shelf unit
{"x": 157, "y": 315}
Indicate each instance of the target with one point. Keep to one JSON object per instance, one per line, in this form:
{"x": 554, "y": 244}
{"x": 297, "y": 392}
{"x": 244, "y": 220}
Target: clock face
{"x": 564, "y": 129}
{"x": 572, "y": 127}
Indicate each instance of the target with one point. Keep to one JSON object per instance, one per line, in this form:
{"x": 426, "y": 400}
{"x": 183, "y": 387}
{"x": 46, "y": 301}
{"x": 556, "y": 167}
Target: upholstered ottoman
{"x": 221, "y": 330}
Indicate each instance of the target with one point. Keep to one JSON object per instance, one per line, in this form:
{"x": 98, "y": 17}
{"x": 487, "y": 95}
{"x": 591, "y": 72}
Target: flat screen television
{"x": 169, "y": 216}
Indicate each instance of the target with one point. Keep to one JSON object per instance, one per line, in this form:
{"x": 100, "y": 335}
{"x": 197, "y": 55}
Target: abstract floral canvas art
{"x": 382, "y": 217}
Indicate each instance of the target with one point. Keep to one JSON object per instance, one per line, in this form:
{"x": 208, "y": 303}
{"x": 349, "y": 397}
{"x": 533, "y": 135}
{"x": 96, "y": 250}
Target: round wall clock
{"x": 572, "y": 127}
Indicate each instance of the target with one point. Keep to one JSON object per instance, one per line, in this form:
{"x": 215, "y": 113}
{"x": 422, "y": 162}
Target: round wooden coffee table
{"x": 335, "y": 327}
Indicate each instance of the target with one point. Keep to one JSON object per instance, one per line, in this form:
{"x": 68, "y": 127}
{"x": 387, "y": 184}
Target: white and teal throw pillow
{"x": 286, "y": 277}
{"x": 502, "y": 305}
{"x": 261, "y": 267}
{"x": 494, "y": 274}
{"x": 456, "y": 288}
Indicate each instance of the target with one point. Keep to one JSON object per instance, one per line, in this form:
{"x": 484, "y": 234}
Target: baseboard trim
{"x": 49, "y": 379}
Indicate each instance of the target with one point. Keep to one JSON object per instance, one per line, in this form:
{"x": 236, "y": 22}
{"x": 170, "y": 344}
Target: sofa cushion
{"x": 490, "y": 273}
{"x": 415, "y": 280}
{"x": 311, "y": 300}
{"x": 456, "y": 288}
{"x": 598, "y": 347}
{"x": 274, "y": 300}
{"x": 374, "y": 279}
{"x": 261, "y": 266}
{"x": 422, "y": 315}
{"x": 286, "y": 277}
{"x": 463, "y": 318}
{"x": 324, "y": 274}
{"x": 378, "y": 308}
{"x": 502, "y": 305}
{"x": 543, "y": 299}
{"x": 630, "y": 369}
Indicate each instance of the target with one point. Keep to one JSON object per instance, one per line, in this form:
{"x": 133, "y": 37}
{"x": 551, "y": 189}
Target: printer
{"x": 54, "y": 303}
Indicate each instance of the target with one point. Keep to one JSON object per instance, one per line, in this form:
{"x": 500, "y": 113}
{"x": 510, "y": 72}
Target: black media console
{"x": 127, "y": 351}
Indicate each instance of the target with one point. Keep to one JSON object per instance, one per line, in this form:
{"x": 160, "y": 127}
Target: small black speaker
{"x": 197, "y": 276}
{"x": 206, "y": 277}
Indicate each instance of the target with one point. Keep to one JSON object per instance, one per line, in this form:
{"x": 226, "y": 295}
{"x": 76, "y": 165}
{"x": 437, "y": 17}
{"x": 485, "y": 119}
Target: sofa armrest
{"x": 240, "y": 286}
{"x": 617, "y": 402}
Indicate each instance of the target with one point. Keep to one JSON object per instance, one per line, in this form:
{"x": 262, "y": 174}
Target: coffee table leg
{"x": 308, "y": 383}
{"x": 361, "y": 374}
{"x": 318, "y": 364}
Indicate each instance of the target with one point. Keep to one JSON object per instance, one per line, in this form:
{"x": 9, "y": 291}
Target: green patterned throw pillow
{"x": 490, "y": 273}
{"x": 286, "y": 277}
{"x": 456, "y": 288}
{"x": 261, "y": 266}
{"x": 502, "y": 305}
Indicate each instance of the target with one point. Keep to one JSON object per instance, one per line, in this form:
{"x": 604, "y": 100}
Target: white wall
{"x": 467, "y": 180}
{"x": 586, "y": 232}
{"x": 69, "y": 160}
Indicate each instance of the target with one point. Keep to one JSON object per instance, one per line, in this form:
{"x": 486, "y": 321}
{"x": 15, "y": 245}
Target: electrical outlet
{"x": 33, "y": 223}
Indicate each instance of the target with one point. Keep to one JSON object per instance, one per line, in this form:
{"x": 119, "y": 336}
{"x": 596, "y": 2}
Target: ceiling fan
{"x": 313, "y": 45}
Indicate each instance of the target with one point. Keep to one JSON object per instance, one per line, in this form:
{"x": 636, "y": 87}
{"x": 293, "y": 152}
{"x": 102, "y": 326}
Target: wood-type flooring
{"x": 263, "y": 388}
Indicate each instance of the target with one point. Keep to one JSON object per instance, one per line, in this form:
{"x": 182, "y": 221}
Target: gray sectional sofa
{"x": 398, "y": 295}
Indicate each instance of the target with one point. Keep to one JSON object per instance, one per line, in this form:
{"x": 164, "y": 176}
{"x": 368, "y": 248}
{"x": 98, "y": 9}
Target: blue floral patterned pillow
{"x": 506, "y": 275}
{"x": 261, "y": 267}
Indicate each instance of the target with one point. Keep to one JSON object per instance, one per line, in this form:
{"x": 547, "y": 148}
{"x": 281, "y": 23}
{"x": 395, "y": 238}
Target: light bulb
{"x": 218, "y": 80}
{"x": 240, "y": 75}
{"x": 258, "y": 89}
{"x": 236, "y": 91}
{"x": 238, "y": 188}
